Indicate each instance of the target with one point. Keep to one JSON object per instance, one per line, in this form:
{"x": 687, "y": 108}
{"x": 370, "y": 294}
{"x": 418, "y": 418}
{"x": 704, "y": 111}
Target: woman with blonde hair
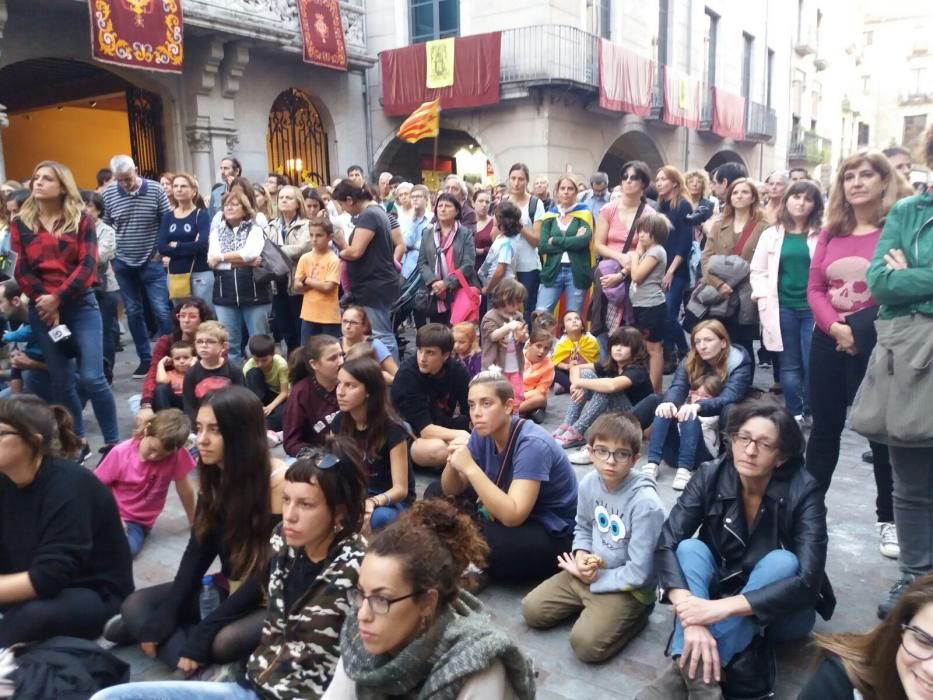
{"x": 291, "y": 232}
{"x": 776, "y": 186}
{"x": 263, "y": 200}
{"x": 865, "y": 189}
{"x": 56, "y": 268}
{"x": 184, "y": 236}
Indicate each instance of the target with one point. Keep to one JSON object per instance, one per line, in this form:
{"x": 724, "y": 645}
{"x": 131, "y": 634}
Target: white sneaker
{"x": 681, "y": 479}
{"x": 650, "y": 469}
{"x": 581, "y": 456}
{"x": 889, "y": 544}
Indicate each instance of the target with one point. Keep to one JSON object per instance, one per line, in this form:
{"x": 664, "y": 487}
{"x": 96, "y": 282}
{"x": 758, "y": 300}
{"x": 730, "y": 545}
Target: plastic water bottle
{"x": 209, "y": 599}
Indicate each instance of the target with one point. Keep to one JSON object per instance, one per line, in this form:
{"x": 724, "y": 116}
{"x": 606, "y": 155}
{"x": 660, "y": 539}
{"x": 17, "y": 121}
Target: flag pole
{"x": 434, "y": 161}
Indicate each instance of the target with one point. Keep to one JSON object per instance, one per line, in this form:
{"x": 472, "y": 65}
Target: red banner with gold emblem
{"x": 322, "y": 31}
{"x": 138, "y": 33}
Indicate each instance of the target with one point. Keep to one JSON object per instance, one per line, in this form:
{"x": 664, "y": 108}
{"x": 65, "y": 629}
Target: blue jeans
{"x": 381, "y": 321}
{"x": 202, "y": 286}
{"x": 310, "y": 328}
{"x": 683, "y": 446}
{"x": 384, "y": 515}
{"x": 83, "y": 320}
{"x": 256, "y": 318}
{"x": 135, "y": 536}
{"x": 675, "y": 338}
{"x": 548, "y": 296}
{"x": 797, "y": 336}
{"x": 530, "y": 280}
{"x": 150, "y": 279}
{"x": 176, "y": 690}
{"x": 734, "y": 634}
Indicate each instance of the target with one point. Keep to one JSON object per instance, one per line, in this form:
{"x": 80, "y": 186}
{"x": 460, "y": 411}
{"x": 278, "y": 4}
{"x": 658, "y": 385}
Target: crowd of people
{"x": 282, "y": 402}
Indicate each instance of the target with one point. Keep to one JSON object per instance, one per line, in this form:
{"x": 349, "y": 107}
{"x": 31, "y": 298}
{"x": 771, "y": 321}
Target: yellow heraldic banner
{"x": 440, "y": 68}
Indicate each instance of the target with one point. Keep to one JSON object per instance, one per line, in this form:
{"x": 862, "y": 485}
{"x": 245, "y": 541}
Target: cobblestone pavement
{"x": 860, "y": 576}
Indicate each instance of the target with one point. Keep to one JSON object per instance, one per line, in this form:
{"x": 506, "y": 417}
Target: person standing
{"x": 289, "y": 231}
{"x": 541, "y": 190}
{"x": 485, "y": 224}
{"x": 413, "y": 228}
{"x": 525, "y": 245}
{"x": 598, "y": 195}
{"x": 230, "y": 169}
{"x": 135, "y": 206}
{"x": 184, "y": 235}
{"x": 457, "y": 187}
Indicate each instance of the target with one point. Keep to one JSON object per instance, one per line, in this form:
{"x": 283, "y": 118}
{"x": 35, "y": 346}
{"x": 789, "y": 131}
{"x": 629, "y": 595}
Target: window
{"x": 913, "y": 130}
{"x": 711, "y": 40}
{"x": 748, "y": 42}
{"x": 819, "y": 23}
{"x": 663, "y": 23}
{"x": 434, "y": 19}
{"x": 917, "y": 81}
{"x": 868, "y": 38}
{"x": 599, "y": 18}
{"x": 862, "y": 134}
{"x": 866, "y": 84}
{"x": 799, "y": 87}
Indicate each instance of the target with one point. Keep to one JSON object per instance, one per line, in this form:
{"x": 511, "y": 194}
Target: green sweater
{"x": 554, "y": 243}
{"x": 908, "y": 227}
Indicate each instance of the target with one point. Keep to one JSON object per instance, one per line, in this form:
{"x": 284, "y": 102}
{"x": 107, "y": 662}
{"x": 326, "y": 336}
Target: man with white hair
{"x": 457, "y": 187}
{"x": 385, "y": 192}
{"x": 134, "y": 207}
{"x": 541, "y": 191}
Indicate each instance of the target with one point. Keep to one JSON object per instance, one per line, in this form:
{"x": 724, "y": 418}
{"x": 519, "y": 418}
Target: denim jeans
{"x": 675, "y": 338}
{"x": 135, "y": 536}
{"x": 202, "y": 286}
{"x": 734, "y": 634}
{"x": 913, "y": 507}
{"x": 678, "y": 444}
{"x": 84, "y": 321}
{"x": 151, "y": 280}
{"x": 176, "y": 690}
{"x": 256, "y": 318}
{"x": 797, "y": 336}
{"x": 310, "y": 328}
{"x": 530, "y": 280}
{"x": 548, "y": 296}
{"x": 381, "y": 321}
{"x": 384, "y": 515}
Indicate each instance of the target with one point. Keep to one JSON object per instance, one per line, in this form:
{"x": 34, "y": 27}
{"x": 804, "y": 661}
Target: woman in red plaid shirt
{"x": 56, "y": 266}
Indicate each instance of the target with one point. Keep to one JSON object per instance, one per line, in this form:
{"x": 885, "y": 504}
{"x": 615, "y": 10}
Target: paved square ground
{"x": 860, "y": 576}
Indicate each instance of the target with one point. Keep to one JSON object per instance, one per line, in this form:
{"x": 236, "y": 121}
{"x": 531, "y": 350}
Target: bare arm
{"x": 361, "y": 240}
{"x": 186, "y": 495}
{"x": 16, "y": 588}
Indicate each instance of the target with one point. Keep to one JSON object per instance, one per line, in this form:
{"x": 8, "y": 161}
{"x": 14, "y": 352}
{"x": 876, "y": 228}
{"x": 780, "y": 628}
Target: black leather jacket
{"x": 792, "y": 516}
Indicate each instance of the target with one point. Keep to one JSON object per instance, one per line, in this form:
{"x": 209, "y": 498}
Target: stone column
{"x": 199, "y": 142}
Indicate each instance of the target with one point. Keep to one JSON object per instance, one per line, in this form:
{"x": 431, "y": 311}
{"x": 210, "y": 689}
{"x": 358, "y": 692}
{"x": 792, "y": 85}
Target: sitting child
{"x": 503, "y": 332}
{"x": 575, "y": 347}
{"x": 23, "y": 335}
{"x": 213, "y": 370}
{"x": 539, "y": 373}
{"x": 170, "y": 376}
{"x": 266, "y": 375}
{"x": 139, "y": 470}
{"x": 709, "y": 387}
{"x": 609, "y": 577}
{"x": 466, "y": 347}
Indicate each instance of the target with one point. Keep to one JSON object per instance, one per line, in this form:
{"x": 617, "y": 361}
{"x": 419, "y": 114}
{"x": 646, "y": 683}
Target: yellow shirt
{"x": 317, "y": 306}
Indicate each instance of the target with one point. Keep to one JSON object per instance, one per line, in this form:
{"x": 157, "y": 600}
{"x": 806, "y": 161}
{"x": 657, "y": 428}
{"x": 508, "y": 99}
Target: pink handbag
{"x": 466, "y": 302}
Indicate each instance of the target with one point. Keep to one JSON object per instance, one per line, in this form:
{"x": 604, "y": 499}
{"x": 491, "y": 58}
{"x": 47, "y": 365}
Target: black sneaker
{"x": 868, "y": 457}
{"x": 115, "y": 631}
{"x": 537, "y": 415}
{"x": 85, "y": 453}
{"x": 894, "y": 595}
{"x": 141, "y": 371}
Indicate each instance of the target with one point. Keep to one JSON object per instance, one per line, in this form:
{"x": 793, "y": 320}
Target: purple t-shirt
{"x": 536, "y": 457}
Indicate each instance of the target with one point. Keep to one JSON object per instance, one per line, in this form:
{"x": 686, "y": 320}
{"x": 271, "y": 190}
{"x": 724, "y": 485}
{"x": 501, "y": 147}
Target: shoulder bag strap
{"x": 634, "y": 226}
{"x": 505, "y": 471}
{"x": 746, "y": 234}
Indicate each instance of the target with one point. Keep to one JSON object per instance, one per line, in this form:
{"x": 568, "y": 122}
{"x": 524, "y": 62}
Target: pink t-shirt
{"x": 618, "y": 231}
{"x": 140, "y": 488}
{"x": 838, "y": 285}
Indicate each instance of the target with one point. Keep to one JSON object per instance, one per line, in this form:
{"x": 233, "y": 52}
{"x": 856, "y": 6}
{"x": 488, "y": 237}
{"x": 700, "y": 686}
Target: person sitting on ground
{"x": 266, "y": 375}
{"x": 608, "y": 575}
{"x": 754, "y": 574}
{"x": 890, "y": 661}
{"x": 430, "y": 394}
{"x": 65, "y": 566}
{"x": 503, "y": 333}
{"x": 538, "y": 375}
{"x": 312, "y": 403}
{"x": 317, "y": 277}
{"x": 575, "y": 347}
{"x": 233, "y": 520}
{"x": 213, "y": 370}
{"x": 170, "y": 376}
{"x": 356, "y": 329}
{"x": 138, "y": 472}
{"x": 466, "y": 347}
{"x": 367, "y": 418}
{"x": 521, "y": 480}
{"x": 621, "y": 383}
{"x": 314, "y": 562}
{"x": 414, "y": 632}
{"x": 676, "y": 432}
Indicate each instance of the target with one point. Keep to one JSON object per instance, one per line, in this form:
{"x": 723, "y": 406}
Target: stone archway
{"x": 406, "y": 159}
{"x": 296, "y": 139}
{"x": 723, "y": 157}
{"x": 632, "y": 145}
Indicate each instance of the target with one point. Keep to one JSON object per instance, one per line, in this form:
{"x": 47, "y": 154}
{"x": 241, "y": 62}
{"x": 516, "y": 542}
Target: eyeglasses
{"x": 743, "y": 440}
{"x": 916, "y": 642}
{"x": 378, "y": 604}
{"x": 350, "y": 322}
{"x": 618, "y": 456}
{"x": 631, "y": 178}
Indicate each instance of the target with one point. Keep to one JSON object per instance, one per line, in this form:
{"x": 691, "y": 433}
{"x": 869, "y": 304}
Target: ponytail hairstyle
{"x": 171, "y": 427}
{"x": 434, "y": 543}
{"x": 47, "y": 429}
{"x": 299, "y": 361}
{"x": 500, "y": 384}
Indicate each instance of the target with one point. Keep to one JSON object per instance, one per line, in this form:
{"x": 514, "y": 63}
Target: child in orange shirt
{"x": 538, "y": 375}
{"x": 317, "y": 276}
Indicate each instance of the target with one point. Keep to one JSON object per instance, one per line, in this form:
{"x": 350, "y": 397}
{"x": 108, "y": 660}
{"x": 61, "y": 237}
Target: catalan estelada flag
{"x": 423, "y": 123}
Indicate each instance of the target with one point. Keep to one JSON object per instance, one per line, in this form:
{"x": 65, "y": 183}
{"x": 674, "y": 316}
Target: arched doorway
{"x": 296, "y": 141}
{"x": 723, "y": 157}
{"x": 78, "y": 114}
{"x": 632, "y": 145}
{"x": 457, "y": 152}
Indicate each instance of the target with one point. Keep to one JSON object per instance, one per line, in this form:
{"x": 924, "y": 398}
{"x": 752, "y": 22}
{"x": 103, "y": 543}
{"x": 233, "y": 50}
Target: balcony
{"x": 809, "y": 149}
{"x": 706, "y": 110}
{"x": 805, "y": 44}
{"x": 821, "y": 63}
{"x": 548, "y": 54}
{"x": 915, "y": 97}
{"x": 760, "y": 123}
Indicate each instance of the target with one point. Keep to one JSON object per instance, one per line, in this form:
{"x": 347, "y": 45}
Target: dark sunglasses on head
{"x": 326, "y": 461}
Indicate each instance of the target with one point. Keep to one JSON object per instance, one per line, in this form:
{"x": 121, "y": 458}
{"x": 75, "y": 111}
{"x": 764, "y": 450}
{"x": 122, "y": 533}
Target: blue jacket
{"x": 739, "y": 375}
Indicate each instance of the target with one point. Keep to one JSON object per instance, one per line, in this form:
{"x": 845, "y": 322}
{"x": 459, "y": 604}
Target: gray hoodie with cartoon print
{"x": 622, "y": 528}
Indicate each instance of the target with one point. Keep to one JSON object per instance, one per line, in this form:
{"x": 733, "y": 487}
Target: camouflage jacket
{"x": 299, "y": 648}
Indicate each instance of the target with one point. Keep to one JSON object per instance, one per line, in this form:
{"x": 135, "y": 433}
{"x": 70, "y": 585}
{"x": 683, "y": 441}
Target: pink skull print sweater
{"x": 837, "y": 285}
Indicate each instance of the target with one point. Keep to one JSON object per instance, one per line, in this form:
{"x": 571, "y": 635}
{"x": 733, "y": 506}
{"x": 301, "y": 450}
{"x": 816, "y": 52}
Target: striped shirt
{"x": 136, "y": 217}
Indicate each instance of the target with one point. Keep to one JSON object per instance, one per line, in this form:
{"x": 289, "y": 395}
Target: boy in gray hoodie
{"x": 609, "y": 578}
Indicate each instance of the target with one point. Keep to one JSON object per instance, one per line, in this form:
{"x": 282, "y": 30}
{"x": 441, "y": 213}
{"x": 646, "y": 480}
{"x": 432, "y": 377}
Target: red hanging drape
{"x": 681, "y": 99}
{"x": 626, "y": 80}
{"x": 322, "y": 33}
{"x": 728, "y": 114}
{"x": 138, "y": 35}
